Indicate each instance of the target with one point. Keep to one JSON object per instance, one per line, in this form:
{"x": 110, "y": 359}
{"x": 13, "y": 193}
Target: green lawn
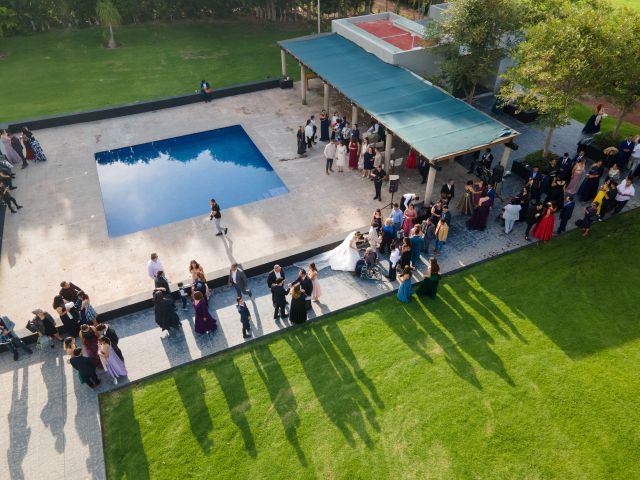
{"x": 626, "y": 3}
{"x": 65, "y": 71}
{"x": 524, "y": 367}
{"x": 582, "y": 113}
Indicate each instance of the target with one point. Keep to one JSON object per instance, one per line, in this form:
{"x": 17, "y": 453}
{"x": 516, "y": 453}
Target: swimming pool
{"x": 162, "y": 182}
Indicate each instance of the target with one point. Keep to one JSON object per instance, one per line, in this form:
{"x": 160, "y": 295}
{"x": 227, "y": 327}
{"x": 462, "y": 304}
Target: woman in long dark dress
{"x": 609, "y": 200}
{"x": 71, "y": 326}
{"x": 165, "y": 313}
{"x": 302, "y": 143}
{"x": 162, "y": 284}
{"x": 556, "y": 192}
{"x": 589, "y": 188}
{"x": 478, "y": 220}
{"x": 429, "y": 285}
{"x": 200, "y": 285}
{"x": 204, "y": 322}
{"x": 465, "y": 205}
{"x": 298, "y": 310}
{"x": 324, "y": 127}
{"x": 405, "y": 253}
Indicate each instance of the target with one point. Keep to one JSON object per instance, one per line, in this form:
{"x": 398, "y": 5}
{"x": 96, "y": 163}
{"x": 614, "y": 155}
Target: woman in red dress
{"x": 544, "y": 229}
{"x": 354, "y": 151}
{"x": 411, "y": 159}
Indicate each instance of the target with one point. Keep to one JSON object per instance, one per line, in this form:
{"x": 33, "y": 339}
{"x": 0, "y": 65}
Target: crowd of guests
{"x": 89, "y": 345}
{"x": 16, "y": 148}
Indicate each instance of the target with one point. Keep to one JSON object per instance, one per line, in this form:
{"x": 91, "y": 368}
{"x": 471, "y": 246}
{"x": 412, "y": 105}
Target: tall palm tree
{"x": 108, "y": 15}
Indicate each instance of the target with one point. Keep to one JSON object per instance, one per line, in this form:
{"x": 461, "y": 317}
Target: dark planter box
{"x": 520, "y": 169}
{"x": 527, "y": 116}
{"x": 286, "y": 83}
{"x": 140, "y": 107}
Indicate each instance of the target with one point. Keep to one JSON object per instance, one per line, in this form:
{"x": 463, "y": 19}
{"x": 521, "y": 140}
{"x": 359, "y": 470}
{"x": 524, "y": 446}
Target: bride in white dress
{"x": 344, "y": 257}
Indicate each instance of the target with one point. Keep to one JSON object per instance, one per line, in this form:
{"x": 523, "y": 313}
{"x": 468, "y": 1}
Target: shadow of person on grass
{"x": 235, "y": 393}
{"x": 335, "y": 387}
{"x": 124, "y": 446}
{"x": 191, "y": 389}
{"x": 469, "y": 335}
{"x": 19, "y": 430}
{"x": 281, "y": 393}
{"x": 452, "y": 354}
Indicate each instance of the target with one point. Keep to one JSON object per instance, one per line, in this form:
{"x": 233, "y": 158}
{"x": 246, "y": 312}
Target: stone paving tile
{"x": 52, "y": 426}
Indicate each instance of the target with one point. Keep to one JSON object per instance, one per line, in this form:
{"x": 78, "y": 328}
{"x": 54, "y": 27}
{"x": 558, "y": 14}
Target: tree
{"x": 620, "y": 68}
{"x": 108, "y": 15}
{"x": 472, "y": 38}
{"x": 7, "y": 21}
{"x": 556, "y": 63}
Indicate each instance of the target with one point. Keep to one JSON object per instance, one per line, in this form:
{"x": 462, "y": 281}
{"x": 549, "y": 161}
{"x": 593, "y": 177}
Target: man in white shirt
{"x": 372, "y": 133}
{"x": 154, "y": 266}
{"x": 635, "y": 159}
{"x": 308, "y": 133}
{"x": 408, "y": 199}
{"x": 330, "y": 154}
{"x": 625, "y": 192}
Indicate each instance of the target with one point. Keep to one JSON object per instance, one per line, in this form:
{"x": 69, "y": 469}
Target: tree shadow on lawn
{"x": 281, "y": 393}
{"x": 235, "y": 393}
{"x": 126, "y": 457}
{"x": 333, "y": 383}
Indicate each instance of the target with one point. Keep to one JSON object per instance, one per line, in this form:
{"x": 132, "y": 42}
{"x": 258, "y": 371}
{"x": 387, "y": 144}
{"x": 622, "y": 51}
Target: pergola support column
{"x": 303, "y": 84}
{"x": 387, "y": 150}
{"x": 505, "y": 157}
{"x": 354, "y": 114}
{"x": 431, "y": 180}
{"x": 326, "y": 98}
{"x": 283, "y": 62}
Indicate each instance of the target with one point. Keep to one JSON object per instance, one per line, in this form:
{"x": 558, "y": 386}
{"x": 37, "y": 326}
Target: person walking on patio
{"x": 245, "y": 317}
{"x": 216, "y": 216}
{"x": 330, "y": 154}
{"x": 154, "y": 265}
{"x": 238, "y": 279}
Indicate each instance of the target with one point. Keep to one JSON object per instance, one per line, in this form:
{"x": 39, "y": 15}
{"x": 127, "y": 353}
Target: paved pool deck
{"x": 52, "y": 426}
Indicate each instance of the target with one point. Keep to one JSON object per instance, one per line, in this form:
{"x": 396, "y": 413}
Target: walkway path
{"x": 52, "y": 424}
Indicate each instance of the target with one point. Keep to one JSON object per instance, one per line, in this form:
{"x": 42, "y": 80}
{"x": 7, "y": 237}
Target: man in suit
{"x": 274, "y": 275}
{"x": 106, "y": 331}
{"x": 566, "y": 213}
{"x": 565, "y": 166}
{"x": 9, "y": 337}
{"x": 534, "y": 215}
{"x": 245, "y": 317}
{"x": 448, "y": 191}
{"x": 306, "y": 285}
{"x": 279, "y": 297}
{"x": 378, "y": 175}
{"x": 239, "y": 280}
{"x": 535, "y": 182}
{"x": 85, "y": 367}
{"x": 625, "y": 149}
{"x": 423, "y": 168}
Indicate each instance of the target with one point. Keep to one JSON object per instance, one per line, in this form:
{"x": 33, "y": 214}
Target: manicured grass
{"x": 582, "y": 113}
{"x": 523, "y": 367}
{"x": 626, "y": 3}
{"x": 66, "y": 71}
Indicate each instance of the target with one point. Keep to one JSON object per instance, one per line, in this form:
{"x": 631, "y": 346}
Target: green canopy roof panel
{"x": 433, "y": 122}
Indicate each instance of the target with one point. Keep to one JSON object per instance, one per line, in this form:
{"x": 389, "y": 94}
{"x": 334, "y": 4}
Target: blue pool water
{"x": 158, "y": 183}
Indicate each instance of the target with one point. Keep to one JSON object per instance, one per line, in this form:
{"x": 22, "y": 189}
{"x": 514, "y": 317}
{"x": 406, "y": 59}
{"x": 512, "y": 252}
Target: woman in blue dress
{"x": 404, "y": 292}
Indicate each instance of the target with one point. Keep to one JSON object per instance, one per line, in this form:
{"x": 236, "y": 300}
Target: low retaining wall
{"x": 138, "y": 107}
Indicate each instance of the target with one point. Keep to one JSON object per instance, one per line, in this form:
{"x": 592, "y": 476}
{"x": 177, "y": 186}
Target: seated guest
{"x": 8, "y": 337}
{"x": 205, "y": 91}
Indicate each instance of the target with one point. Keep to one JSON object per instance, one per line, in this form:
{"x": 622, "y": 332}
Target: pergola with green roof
{"x": 435, "y": 124}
